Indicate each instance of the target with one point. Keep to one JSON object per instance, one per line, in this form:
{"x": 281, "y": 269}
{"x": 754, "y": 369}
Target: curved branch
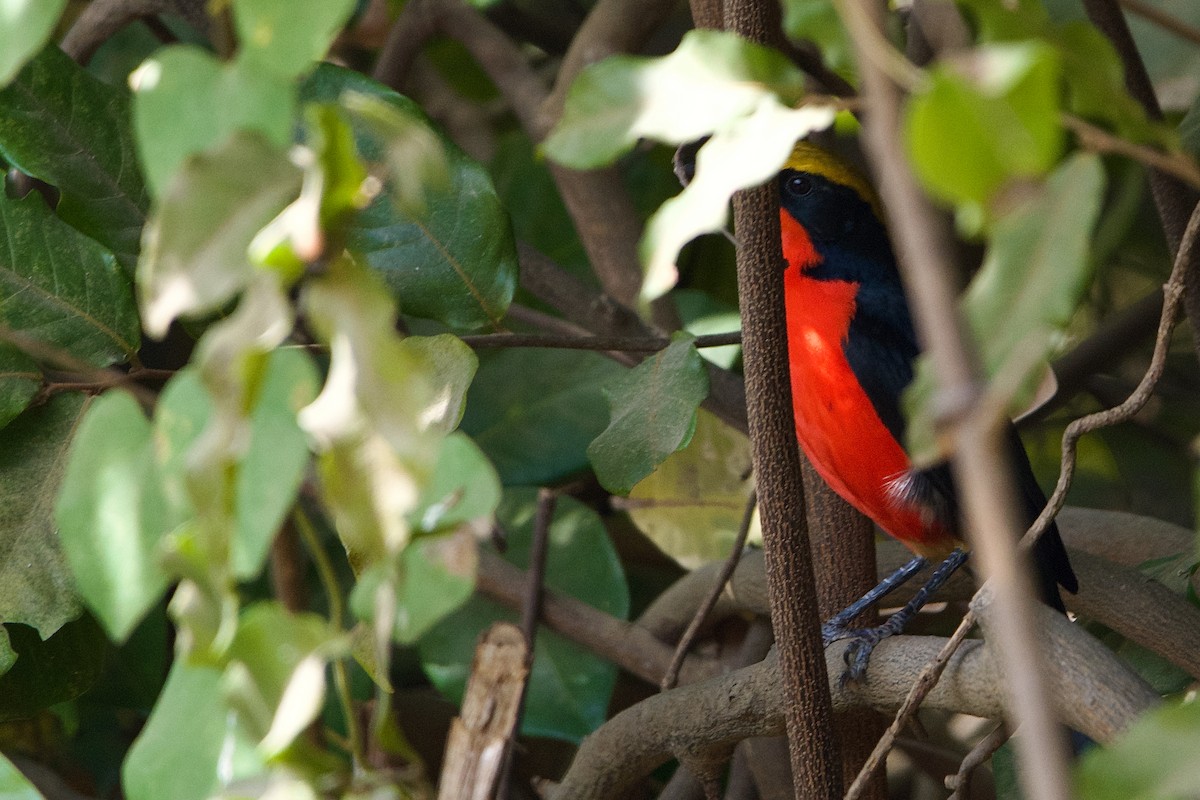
{"x": 1097, "y": 695}
{"x": 100, "y": 20}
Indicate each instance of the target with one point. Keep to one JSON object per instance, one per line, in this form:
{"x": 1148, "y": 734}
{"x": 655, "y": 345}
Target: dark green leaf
{"x": 61, "y": 289}
{"x": 537, "y": 429}
{"x": 111, "y": 513}
{"x": 188, "y": 750}
{"x": 454, "y": 262}
{"x": 188, "y": 102}
{"x": 196, "y": 244}
{"x": 818, "y": 21}
{"x": 36, "y": 587}
{"x": 27, "y": 26}
{"x": 569, "y": 688}
{"x": 20, "y": 380}
{"x": 61, "y": 125}
{"x": 52, "y": 671}
{"x": 287, "y": 36}
{"x": 653, "y": 415}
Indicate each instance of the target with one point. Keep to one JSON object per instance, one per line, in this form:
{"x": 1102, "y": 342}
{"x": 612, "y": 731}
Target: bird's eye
{"x": 799, "y": 185}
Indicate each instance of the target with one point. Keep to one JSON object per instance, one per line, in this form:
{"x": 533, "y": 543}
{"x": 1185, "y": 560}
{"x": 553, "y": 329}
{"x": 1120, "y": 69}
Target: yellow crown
{"x": 812, "y": 159}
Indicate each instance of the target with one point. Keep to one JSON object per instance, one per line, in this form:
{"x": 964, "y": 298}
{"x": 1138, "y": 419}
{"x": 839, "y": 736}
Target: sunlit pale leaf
{"x": 25, "y": 25}
{"x": 186, "y": 102}
{"x": 691, "y": 507}
{"x": 987, "y": 119}
{"x": 653, "y": 414}
{"x": 284, "y": 656}
{"x": 61, "y": 289}
{"x": 62, "y": 125}
{"x": 111, "y": 513}
{"x": 195, "y": 257}
{"x": 464, "y": 487}
{"x": 216, "y": 751}
{"x": 14, "y": 785}
{"x": 287, "y": 36}
{"x": 1033, "y": 277}
{"x": 740, "y": 156}
{"x": 1152, "y": 760}
{"x": 710, "y": 83}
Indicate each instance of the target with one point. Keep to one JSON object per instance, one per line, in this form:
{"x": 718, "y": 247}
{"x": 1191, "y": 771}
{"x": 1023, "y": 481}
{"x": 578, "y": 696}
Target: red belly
{"x": 836, "y": 424}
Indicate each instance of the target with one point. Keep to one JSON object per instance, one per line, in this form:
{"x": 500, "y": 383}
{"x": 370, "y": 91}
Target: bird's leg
{"x": 838, "y": 626}
{"x": 864, "y": 639}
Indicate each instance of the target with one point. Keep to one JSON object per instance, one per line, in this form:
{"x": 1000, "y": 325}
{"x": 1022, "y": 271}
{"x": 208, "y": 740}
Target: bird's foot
{"x": 858, "y": 652}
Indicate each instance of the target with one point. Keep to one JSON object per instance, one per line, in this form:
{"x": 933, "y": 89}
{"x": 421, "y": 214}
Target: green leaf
{"x": 454, "y": 364}
{"x": 536, "y": 430}
{"x": 283, "y": 655}
{"x": 286, "y": 36}
{"x": 692, "y": 506}
{"x": 818, "y": 21}
{"x": 273, "y": 462}
{"x": 464, "y": 487}
{"x": 188, "y": 749}
{"x": 111, "y": 513}
{"x": 653, "y": 415}
{"x": 187, "y": 102}
{"x": 711, "y": 81}
{"x": 27, "y": 26}
{"x": 986, "y": 121}
{"x": 569, "y": 688}
{"x": 61, "y": 125}
{"x": 13, "y": 784}
{"x": 1152, "y": 760}
{"x": 20, "y": 380}
{"x": 1033, "y": 278}
{"x": 273, "y": 467}
{"x": 456, "y": 260}
{"x": 436, "y": 576}
{"x": 51, "y": 671}
{"x": 36, "y": 587}
{"x": 195, "y": 257}
{"x": 735, "y": 157}
{"x": 61, "y": 289}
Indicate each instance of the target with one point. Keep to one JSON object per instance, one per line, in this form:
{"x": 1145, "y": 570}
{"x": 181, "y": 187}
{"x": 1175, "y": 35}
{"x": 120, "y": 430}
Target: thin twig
{"x": 980, "y": 463}
{"x": 1098, "y": 140}
{"x": 1173, "y": 296}
{"x": 960, "y": 783}
{"x": 916, "y": 694}
{"x": 531, "y": 613}
{"x": 337, "y": 616}
{"x": 1163, "y": 20}
{"x": 627, "y": 344}
{"x": 735, "y": 555}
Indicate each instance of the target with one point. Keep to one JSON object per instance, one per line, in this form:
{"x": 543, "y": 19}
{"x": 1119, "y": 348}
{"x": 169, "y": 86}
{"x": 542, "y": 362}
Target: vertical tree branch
{"x": 980, "y": 465}
{"x": 815, "y": 762}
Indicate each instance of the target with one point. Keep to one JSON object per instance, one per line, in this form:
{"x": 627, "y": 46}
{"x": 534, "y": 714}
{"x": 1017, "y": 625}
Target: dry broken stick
{"x": 482, "y": 733}
{"x": 960, "y": 783}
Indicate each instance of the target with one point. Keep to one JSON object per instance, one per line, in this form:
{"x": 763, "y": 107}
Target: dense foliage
{"x": 261, "y": 437}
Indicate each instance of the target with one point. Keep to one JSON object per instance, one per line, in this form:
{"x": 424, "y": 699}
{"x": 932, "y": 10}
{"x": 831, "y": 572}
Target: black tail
{"x": 1050, "y": 560}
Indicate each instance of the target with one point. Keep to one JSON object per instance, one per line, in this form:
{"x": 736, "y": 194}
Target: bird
{"x": 851, "y": 353}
